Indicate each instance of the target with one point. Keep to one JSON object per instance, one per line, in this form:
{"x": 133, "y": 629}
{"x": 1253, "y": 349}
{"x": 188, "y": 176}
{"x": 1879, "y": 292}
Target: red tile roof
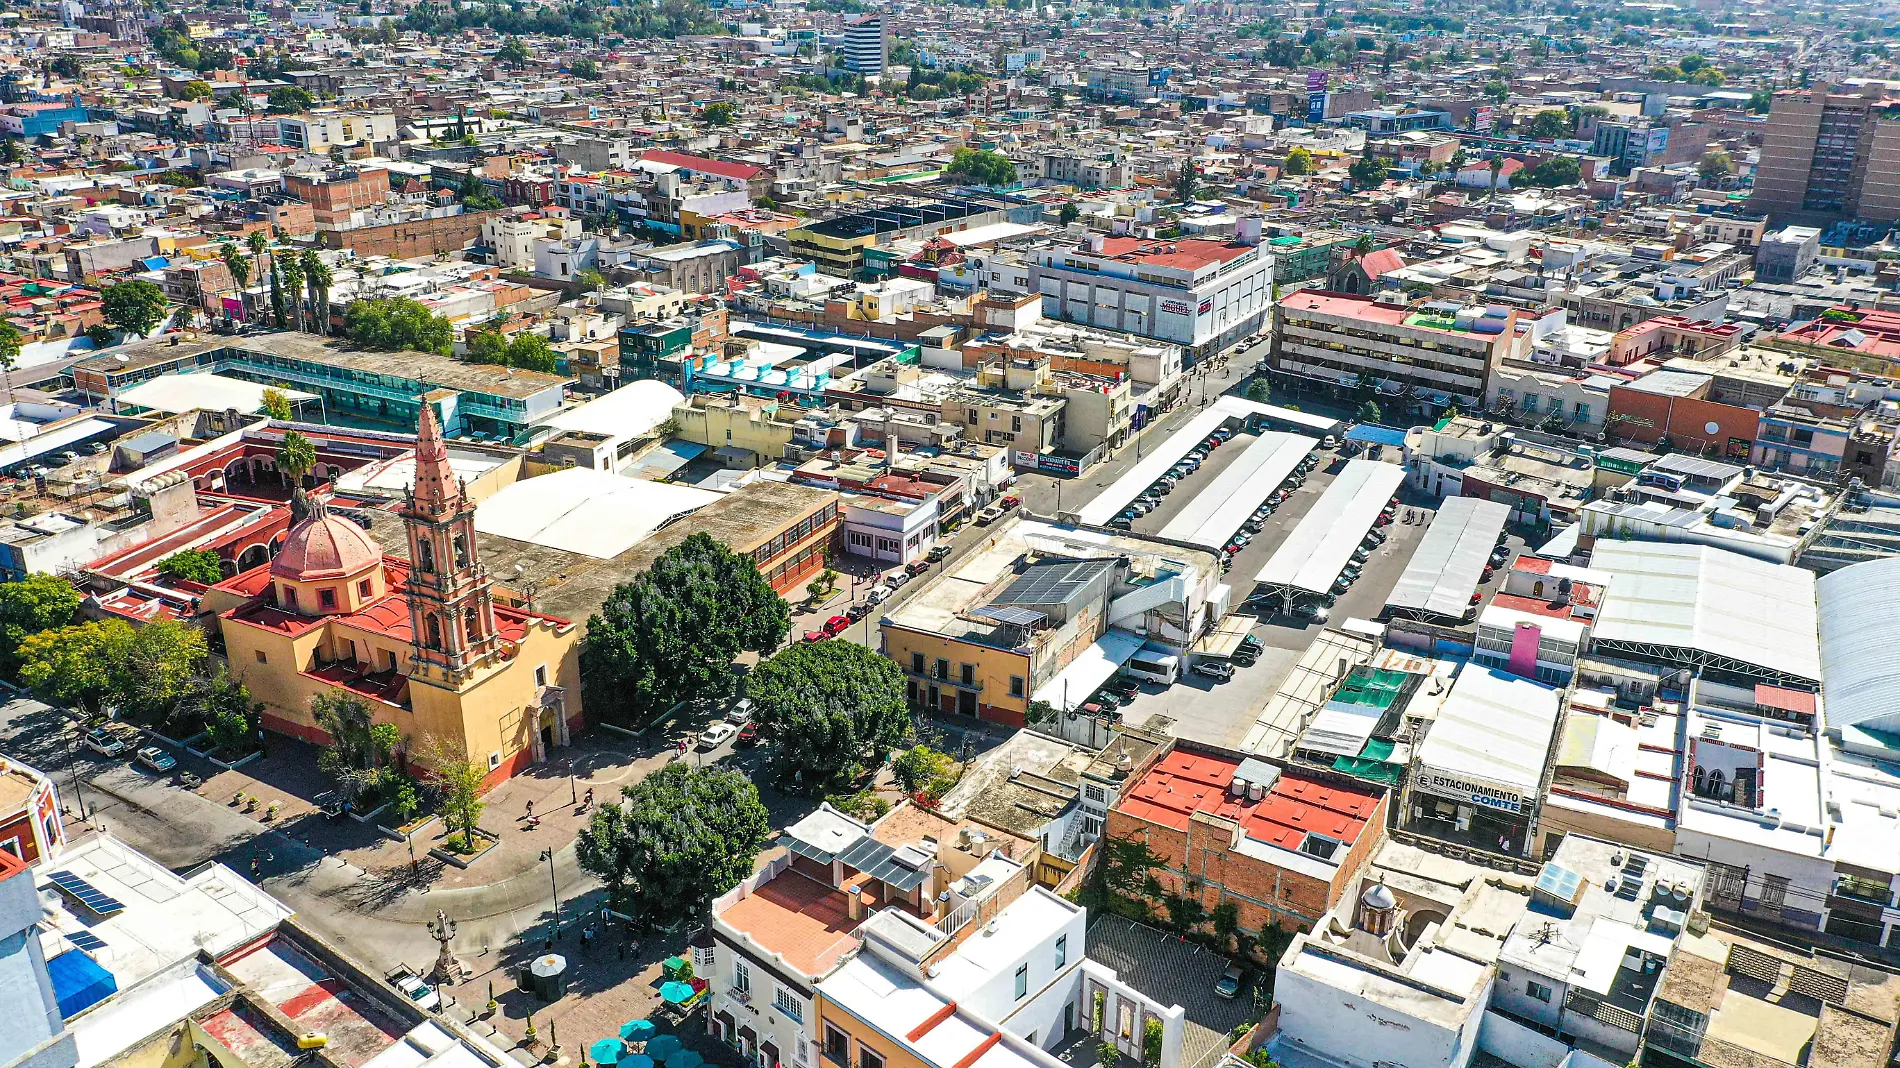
{"x": 1185, "y": 783}
{"x": 701, "y": 165}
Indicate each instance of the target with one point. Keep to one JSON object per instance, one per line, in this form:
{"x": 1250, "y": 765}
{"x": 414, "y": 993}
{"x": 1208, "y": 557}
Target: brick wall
{"x": 1265, "y": 894}
{"x": 404, "y": 240}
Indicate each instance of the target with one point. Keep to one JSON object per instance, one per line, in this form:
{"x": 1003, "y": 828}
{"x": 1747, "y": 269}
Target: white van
{"x": 1151, "y": 666}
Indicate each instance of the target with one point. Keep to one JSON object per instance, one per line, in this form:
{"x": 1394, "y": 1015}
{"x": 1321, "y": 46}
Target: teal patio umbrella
{"x": 606, "y": 1051}
{"x": 685, "y": 1058}
{"x": 662, "y": 1046}
{"x": 677, "y": 993}
{"x": 638, "y": 1030}
{"x": 635, "y": 1060}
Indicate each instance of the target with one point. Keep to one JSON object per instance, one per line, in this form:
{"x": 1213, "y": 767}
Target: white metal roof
{"x": 629, "y": 411}
{"x": 184, "y": 393}
{"x": 1449, "y": 561}
{"x": 1221, "y": 506}
{"x": 1314, "y": 554}
{"x": 1709, "y": 601}
{"x": 1860, "y": 643}
{"x": 1495, "y": 726}
{"x": 1156, "y": 458}
{"x": 581, "y": 510}
{"x": 1072, "y": 686}
{"x": 56, "y": 438}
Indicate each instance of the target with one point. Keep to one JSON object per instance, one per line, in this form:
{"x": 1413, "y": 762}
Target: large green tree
{"x": 136, "y": 306}
{"x": 833, "y": 707}
{"x": 673, "y": 632}
{"x": 192, "y": 565}
{"x": 981, "y": 167}
{"x": 396, "y": 323}
{"x": 154, "y": 667}
{"x": 288, "y": 100}
{"x": 677, "y": 839}
{"x": 1368, "y": 172}
{"x": 73, "y": 665}
{"x": 35, "y": 603}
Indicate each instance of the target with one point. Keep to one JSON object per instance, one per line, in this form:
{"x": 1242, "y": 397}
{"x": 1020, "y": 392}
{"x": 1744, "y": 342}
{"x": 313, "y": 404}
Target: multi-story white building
{"x": 1195, "y": 292}
{"x": 320, "y": 133}
{"x": 1103, "y": 170}
{"x": 513, "y": 237}
{"x": 1437, "y": 354}
{"x": 865, "y": 47}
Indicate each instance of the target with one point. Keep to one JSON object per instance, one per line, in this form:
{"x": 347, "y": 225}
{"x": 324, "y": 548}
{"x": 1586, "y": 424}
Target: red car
{"x": 836, "y": 625}
{"x": 816, "y": 635}
{"x": 748, "y": 735}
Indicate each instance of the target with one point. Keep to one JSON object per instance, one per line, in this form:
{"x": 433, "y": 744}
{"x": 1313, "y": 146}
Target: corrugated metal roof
{"x": 1712, "y": 601}
{"x": 1317, "y": 550}
{"x": 1860, "y": 644}
{"x": 1449, "y": 561}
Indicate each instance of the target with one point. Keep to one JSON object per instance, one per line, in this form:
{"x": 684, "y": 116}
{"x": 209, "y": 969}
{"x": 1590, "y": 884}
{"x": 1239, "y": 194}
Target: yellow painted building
{"x": 734, "y": 421}
{"x": 422, "y": 642}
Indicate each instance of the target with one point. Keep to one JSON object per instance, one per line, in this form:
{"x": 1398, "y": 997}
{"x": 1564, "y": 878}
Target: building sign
{"x": 1469, "y": 788}
{"x": 1160, "y": 75}
{"x": 1174, "y": 307}
{"x": 1316, "y": 107}
{"x": 1484, "y": 119}
{"x": 1207, "y": 305}
{"x": 1025, "y": 458}
{"x": 1315, "y": 80}
{"x": 1059, "y": 465}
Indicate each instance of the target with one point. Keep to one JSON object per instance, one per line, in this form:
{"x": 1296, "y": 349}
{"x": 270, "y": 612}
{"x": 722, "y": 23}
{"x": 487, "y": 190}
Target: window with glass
{"x": 1022, "y": 981}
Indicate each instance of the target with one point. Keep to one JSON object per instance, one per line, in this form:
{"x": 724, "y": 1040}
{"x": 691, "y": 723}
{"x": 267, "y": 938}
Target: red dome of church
{"x": 323, "y": 546}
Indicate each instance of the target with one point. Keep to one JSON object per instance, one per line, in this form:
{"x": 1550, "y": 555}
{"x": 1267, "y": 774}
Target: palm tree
{"x": 1496, "y": 165}
{"x": 316, "y": 277}
{"x": 258, "y": 243}
{"x": 292, "y": 275}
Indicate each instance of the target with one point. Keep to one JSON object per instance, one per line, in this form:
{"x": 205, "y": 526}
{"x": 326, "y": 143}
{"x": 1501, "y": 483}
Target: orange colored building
{"x": 422, "y": 641}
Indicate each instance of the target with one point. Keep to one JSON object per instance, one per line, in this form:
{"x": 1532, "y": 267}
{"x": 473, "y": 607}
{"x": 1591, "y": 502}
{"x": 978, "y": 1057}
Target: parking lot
{"x": 1221, "y": 712}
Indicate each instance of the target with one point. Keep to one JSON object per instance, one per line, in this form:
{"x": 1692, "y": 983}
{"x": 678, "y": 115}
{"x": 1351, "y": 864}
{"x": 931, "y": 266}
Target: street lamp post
{"x": 554, "y": 889}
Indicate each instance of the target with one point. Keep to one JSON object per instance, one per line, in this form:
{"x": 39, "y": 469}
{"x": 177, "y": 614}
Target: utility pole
{"x": 554, "y": 889}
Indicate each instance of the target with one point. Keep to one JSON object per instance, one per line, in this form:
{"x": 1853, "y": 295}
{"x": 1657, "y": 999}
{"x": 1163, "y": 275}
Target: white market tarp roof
{"x": 581, "y": 510}
{"x": 1317, "y": 550}
{"x": 1156, "y": 458}
{"x": 184, "y": 393}
{"x": 630, "y": 411}
{"x": 1219, "y": 509}
{"x": 1449, "y": 561}
{"x": 1073, "y": 685}
{"x": 1717, "y": 605}
{"x": 1860, "y": 644}
{"x": 1494, "y": 726}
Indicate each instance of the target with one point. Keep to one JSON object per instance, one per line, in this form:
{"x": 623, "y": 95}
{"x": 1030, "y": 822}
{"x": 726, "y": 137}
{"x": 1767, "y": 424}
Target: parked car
{"x": 1310, "y": 612}
{"x": 156, "y": 759}
{"x": 716, "y": 735}
{"x": 989, "y": 515}
{"x": 1329, "y": 442}
{"x": 897, "y": 579}
{"x": 1122, "y": 522}
{"x": 1218, "y": 670}
{"x": 877, "y": 595}
{"x": 411, "y": 986}
{"x": 740, "y": 711}
{"x": 937, "y": 552}
{"x": 857, "y": 611}
{"x": 1229, "y": 984}
{"x": 105, "y": 743}
{"x": 836, "y": 625}
{"x": 1251, "y": 644}
{"x": 748, "y": 735}
{"x": 917, "y": 567}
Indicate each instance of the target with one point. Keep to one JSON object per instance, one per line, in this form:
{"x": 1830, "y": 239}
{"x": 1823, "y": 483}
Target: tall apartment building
{"x": 1831, "y": 154}
{"x": 866, "y": 45}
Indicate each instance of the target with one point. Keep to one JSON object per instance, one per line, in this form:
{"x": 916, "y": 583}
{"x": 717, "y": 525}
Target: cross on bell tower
{"x": 451, "y": 603}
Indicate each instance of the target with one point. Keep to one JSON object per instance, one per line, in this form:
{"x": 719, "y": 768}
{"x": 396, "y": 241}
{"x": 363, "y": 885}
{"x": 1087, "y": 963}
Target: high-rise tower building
{"x": 866, "y": 46}
{"x": 1831, "y": 154}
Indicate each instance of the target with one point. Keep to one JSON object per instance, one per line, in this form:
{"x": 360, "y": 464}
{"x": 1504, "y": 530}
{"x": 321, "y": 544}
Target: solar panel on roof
{"x": 85, "y": 940}
{"x": 96, "y": 900}
{"x": 1015, "y": 617}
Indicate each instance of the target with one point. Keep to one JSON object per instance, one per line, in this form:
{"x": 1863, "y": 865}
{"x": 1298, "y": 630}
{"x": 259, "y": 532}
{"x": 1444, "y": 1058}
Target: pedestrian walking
{"x": 530, "y": 809}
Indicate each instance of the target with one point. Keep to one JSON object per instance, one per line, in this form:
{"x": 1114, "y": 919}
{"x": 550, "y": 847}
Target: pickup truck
{"x": 414, "y": 988}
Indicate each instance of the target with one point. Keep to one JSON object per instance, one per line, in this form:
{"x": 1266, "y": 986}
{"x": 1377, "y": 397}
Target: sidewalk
{"x": 554, "y": 790}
